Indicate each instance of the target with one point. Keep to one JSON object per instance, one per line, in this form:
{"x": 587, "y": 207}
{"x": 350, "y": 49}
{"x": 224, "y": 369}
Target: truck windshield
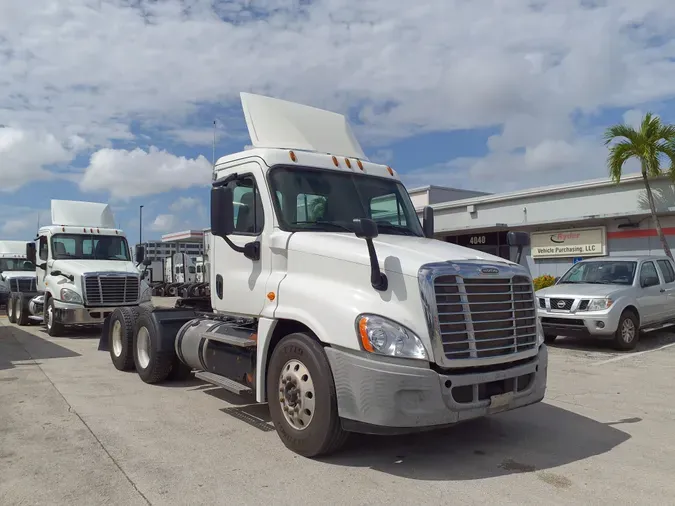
{"x": 609, "y": 272}
{"x": 90, "y": 247}
{"x": 15, "y": 264}
{"x": 325, "y": 200}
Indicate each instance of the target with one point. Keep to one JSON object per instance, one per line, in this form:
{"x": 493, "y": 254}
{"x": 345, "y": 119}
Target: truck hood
{"x": 396, "y": 253}
{"x": 581, "y": 290}
{"x": 18, "y": 274}
{"x": 79, "y": 267}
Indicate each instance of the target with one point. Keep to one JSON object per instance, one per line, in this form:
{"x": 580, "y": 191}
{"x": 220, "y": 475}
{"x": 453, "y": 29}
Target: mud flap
{"x": 105, "y": 331}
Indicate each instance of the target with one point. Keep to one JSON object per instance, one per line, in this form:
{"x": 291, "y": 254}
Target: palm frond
{"x": 618, "y": 131}
{"x": 618, "y": 155}
{"x": 667, "y": 149}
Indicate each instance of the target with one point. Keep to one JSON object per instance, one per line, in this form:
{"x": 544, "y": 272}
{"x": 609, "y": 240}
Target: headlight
{"x": 68, "y": 295}
{"x": 385, "y": 337}
{"x": 146, "y": 296}
{"x": 599, "y": 304}
{"x": 540, "y": 333}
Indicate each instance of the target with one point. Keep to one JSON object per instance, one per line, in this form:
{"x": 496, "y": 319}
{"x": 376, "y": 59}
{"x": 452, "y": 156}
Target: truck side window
{"x": 648, "y": 271}
{"x": 667, "y": 270}
{"x": 387, "y": 208}
{"x": 43, "y": 253}
{"x": 248, "y": 210}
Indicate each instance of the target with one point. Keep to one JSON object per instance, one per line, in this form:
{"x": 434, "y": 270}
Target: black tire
{"x": 54, "y": 328}
{"x": 628, "y": 319}
{"x": 160, "y": 291}
{"x": 21, "y": 313}
{"x": 324, "y": 434}
{"x": 11, "y": 304}
{"x": 122, "y": 320}
{"x": 159, "y": 363}
{"x": 550, "y": 338}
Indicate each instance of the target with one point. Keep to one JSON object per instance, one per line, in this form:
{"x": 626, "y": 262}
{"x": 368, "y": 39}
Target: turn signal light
{"x": 293, "y": 157}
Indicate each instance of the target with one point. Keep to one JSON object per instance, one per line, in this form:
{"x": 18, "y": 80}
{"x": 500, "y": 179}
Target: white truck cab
{"x": 334, "y": 304}
{"x": 17, "y": 273}
{"x": 83, "y": 266}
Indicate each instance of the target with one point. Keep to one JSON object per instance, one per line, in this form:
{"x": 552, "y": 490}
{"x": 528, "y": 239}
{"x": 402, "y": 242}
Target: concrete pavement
{"x": 74, "y": 430}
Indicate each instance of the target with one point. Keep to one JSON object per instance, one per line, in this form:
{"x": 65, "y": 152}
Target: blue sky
{"x": 113, "y": 102}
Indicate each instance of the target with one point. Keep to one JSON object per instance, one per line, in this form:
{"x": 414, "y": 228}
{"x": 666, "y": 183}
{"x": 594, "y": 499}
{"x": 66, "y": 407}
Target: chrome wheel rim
{"x": 117, "y": 338}
{"x": 628, "y": 330}
{"x": 17, "y": 310}
{"x": 296, "y": 394}
{"x": 49, "y": 315}
{"x": 143, "y": 347}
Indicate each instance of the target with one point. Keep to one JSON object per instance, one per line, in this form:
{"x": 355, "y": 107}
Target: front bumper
{"x": 375, "y": 396}
{"x": 580, "y": 324}
{"x": 76, "y": 314}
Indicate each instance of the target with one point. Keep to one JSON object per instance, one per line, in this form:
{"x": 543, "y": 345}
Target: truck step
{"x": 221, "y": 381}
{"x": 242, "y": 342}
{"x": 35, "y": 318}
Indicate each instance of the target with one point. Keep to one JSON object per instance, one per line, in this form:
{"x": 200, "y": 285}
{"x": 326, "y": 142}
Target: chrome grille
{"x": 111, "y": 289}
{"x": 23, "y": 284}
{"x": 561, "y": 304}
{"x": 485, "y": 317}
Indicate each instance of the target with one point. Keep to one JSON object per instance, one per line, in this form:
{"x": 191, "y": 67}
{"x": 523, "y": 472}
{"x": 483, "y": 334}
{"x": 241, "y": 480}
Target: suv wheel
{"x": 628, "y": 332}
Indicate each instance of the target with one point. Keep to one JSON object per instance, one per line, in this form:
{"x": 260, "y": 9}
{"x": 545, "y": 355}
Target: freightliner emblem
{"x": 489, "y": 270}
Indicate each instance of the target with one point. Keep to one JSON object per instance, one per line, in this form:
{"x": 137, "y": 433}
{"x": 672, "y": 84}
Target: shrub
{"x": 543, "y": 281}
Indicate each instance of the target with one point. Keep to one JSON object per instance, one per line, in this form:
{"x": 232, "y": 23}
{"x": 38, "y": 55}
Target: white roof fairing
{"x": 82, "y": 214}
{"x": 13, "y": 248}
{"x": 275, "y": 123}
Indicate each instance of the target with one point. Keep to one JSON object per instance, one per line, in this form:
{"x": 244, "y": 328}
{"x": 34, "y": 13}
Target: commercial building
{"x": 188, "y": 241}
{"x": 566, "y": 222}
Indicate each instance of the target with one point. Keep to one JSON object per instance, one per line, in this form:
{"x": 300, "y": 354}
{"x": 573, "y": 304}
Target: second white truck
{"x": 330, "y": 301}
{"x": 83, "y": 269}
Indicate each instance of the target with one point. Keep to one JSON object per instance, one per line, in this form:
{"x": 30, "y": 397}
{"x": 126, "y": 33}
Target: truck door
{"x": 41, "y": 263}
{"x": 651, "y": 294}
{"x": 668, "y": 275}
{"x": 238, "y": 284}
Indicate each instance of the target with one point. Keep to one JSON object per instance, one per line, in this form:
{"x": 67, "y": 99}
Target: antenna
{"x": 213, "y": 159}
{"x": 38, "y": 221}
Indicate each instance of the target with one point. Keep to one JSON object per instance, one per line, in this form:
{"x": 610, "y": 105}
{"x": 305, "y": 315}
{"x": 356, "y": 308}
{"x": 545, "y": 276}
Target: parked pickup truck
{"x": 612, "y": 298}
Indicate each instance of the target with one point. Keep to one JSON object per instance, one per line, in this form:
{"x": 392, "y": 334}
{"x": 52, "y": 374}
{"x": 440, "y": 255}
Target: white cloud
{"x": 92, "y": 68}
{"x": 21, "y": 222}
{"x": 127, "y": 174}
{"x": 25, "y": 155}
{"x": 184, "y": 203}
{"x": 163, "y": 223}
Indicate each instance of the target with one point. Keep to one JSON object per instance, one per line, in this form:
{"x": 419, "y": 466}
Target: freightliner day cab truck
{"x": 17, "y": 274}
{"x": 83, "y": 268}
{"x": 339, "y": 322}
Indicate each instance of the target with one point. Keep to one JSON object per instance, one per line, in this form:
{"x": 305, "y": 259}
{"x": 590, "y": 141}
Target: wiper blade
{"x": 320, "y": 224}
{"x": 397, "y": 228}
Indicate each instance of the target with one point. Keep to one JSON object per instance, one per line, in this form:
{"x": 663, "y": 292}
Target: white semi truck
{"x": 17, "y": 274}
{"x": 83, "y": 269}
{"x": 340, "y": 322}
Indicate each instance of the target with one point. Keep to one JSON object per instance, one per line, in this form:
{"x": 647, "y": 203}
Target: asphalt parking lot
{"x": 75, "y": 431}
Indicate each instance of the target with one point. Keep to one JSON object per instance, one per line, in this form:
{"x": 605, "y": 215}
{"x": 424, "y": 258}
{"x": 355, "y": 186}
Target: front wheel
{"x": 628, "y": 332}
{"x": 54, "y": 328}
{"x": 302, "y": 398}
{"x": 11, "y": 308}
{"x": 121, "y": 338}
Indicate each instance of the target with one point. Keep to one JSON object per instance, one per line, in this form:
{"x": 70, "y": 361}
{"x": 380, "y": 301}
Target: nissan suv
{"x": 613, "y": 298}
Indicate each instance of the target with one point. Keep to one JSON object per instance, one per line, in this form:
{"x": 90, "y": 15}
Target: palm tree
{"x": 652, "y": 142}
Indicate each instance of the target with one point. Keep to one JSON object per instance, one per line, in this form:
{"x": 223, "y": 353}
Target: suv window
{"x": 647, "y": 271}
{"x": 667, "y": 270}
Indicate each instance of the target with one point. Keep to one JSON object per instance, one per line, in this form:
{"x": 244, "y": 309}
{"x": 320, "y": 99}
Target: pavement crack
{"x": 100, "y": 443}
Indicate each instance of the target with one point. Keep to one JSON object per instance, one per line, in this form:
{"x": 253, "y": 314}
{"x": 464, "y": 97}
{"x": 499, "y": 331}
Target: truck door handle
{"x": 662, "y": 290}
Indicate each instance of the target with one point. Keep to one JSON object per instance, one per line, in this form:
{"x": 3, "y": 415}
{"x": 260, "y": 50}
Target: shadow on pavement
{"x": 535, "y": 438}
{"x": 648, "y": 341}
{"x": 14, "y": 343}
